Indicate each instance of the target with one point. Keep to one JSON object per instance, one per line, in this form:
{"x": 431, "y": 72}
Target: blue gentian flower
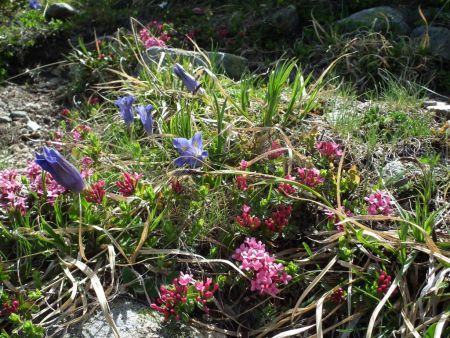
{"x": 126, "y": 110}
{"x": 34, "y": 4}
{"x": 145, "y": 113}
{"x": 62, "y": 171}
{"x": 191, "y": 151}
{"x": 188, "y": 80}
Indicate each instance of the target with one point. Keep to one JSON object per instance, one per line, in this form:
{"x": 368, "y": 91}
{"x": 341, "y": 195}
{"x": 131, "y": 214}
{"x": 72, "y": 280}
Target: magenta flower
{"x": 12, "y": 191}
{"x": 243, "y": 165}
{"x": 151, "y": 41}
{"x": 267, "y": 274}
{"x": 241, "y": 182}
{"x": 309, "y": 177}
{"x": 61, "y": 170}
{"x": 129, "y": 183}
{"x": 286, "y": 188}
{"x": 184, "y": 279}
{"x": 329, "y": 149}
{"x": 379, "y": 203}
{"x": 96, "y": 193}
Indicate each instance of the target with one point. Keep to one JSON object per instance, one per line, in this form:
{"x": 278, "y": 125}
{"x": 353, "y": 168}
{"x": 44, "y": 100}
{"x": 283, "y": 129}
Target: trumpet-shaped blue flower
{"x": 34, "y": 4}
{"x": 61, "y": 170}
{"x": 126, "y": 110}
{"x": 145, "y": 113}
{"x": 188, "y": 80}
{"x": 191, "y": 151}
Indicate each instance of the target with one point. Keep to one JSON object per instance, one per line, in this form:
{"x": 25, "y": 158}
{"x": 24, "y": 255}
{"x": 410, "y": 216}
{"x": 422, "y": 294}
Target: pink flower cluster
{"x": 329, "y": 149}
{"x": 332, "y": 216}
{"x": 176, "y": 295}
{"x": 172, "y": 297}
{"x": 149, "y": 40}
{"x": 9, "y": 308}
{"x": 96, "y": 192}
{"x": 379, "y": 203}
{"x": 309, "y": 177}
{"x": 247, "y": 220}
{"x": 338, "y": 296}
{"x": 384, "y": 282}
{"x": 206, "y": 292}
{"x": 279, "y": 218}
{"x": 241, "y": 183}
{"x": 243, "y": 165}
{"x": 80, "y": 132}
{"x": 266, "y": 273}
{"x": 86, "y": 170}
{"x": 129, "y": 183}
{"x": 52, "y": 188}
{"x": 286, "y": 188}
{"x": 12, "y": 192}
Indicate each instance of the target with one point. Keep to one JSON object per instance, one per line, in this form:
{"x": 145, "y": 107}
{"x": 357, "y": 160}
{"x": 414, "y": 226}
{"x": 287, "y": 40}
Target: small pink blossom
{"x": 310, "y": 177}
{"x": 129, "y": 183}
{"x": 86, "y": 161}
{"x": 151, "y": 41}
{"x": 266, "y": 273}
{"x": 241, "y": 183}
{"x": 247, "y": 220}
{"x": 12, "y": 192}
{"x": 379, "y": 203}
{"x": 96, "y": 192}
{"x": 184, "y": 279}
{"x": 286, "y": 188}
{"x": 329, "y": 149}
{"x": 243, "y": 165}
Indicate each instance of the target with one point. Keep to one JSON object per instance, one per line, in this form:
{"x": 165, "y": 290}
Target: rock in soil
{"x": 134, "y": 320}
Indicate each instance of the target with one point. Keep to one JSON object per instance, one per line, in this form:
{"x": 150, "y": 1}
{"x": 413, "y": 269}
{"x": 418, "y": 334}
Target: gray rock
{"x": 439, "y": 40}
{"x": 33, "y": 126}
{"x": 233, "y": 65}
{"x": 5, "y": 118}
{"x": 441, "y": 110}
{"x": 397, "y": 173}
{"x": 134, "y": 320}
{"x": 59, "y": 11}
{"x": 381, "y": 19}
{"x": 19, "y": 114}
{"x": 286, "y": 19}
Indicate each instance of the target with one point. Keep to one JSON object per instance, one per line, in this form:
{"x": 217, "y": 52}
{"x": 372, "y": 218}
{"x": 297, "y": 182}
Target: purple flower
{"x": 191, "y": 151}
{"x": 61, "y": 170}
{"x": 189, "y": 81}
{"x": 145, "y": 113}
{"x": 125, "y": 105}
{"x": 34, "y": 4}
